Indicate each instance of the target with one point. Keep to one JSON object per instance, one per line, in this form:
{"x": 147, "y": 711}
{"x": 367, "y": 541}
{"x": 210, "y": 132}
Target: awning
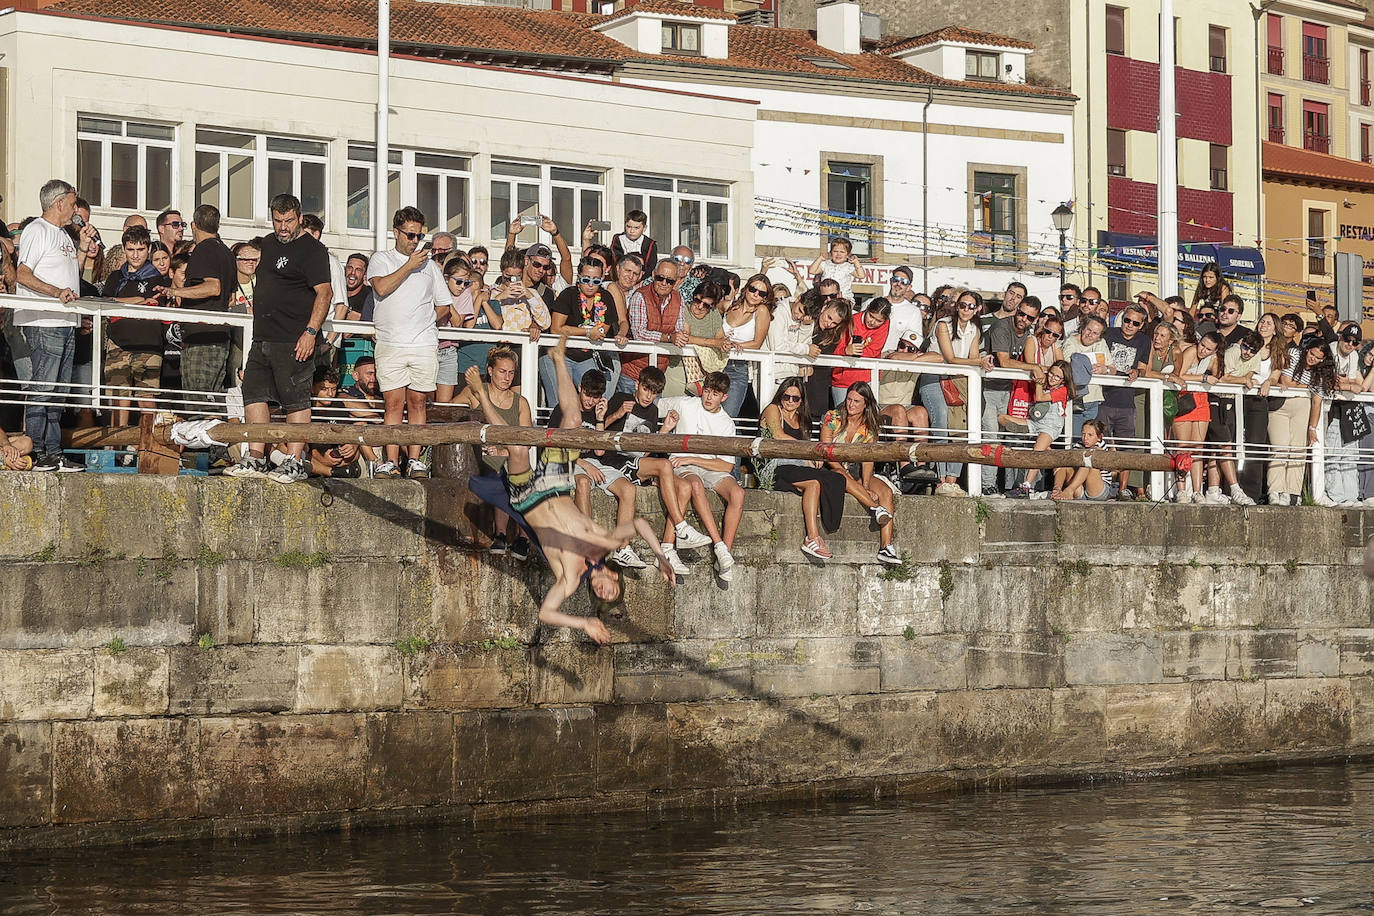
{"x": 1131, "y": 251}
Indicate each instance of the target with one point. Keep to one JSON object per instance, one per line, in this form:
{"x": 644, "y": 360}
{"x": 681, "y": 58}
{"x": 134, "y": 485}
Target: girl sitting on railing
{"x": 856, "y": 420}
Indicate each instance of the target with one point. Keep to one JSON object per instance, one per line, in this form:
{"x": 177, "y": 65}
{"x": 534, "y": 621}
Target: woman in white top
{"x": 789, "y": 331}
{"x": 956, "y": 338}
{"x": 746, "y": 328}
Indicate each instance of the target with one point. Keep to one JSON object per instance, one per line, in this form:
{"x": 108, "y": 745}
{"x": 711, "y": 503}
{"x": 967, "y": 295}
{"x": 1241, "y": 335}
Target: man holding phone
{"x": 411, "y": 298}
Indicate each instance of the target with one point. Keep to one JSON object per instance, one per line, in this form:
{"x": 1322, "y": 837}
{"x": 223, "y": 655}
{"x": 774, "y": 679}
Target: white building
{"x": 741, "y": 141}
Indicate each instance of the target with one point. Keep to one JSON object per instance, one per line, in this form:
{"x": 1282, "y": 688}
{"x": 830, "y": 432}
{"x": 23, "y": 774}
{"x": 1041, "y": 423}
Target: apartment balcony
{"x": 1275, "y": 134}
{"x": 1276, "y": 61}
{"x": 1316, "y": 69}
{"x": 1317, "y": 143}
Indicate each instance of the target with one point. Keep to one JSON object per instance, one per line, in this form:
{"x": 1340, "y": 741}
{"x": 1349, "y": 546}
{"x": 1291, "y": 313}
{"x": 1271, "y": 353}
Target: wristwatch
{"x": 313, "y": 332}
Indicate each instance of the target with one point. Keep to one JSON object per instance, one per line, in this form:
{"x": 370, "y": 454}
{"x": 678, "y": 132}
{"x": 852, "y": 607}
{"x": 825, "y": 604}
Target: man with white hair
{"x": 48, "y": 269}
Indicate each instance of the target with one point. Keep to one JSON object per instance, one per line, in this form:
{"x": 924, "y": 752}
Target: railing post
{"x": 1240, "y": 431}
{"x": 974, "y": 405}
{"x": 768, "y": 377}
{"x": 97, "y": 359}
{"x": 1158, "y": 482}
{"x": 529, "y": 374}
{"x": 1319, "y": 453}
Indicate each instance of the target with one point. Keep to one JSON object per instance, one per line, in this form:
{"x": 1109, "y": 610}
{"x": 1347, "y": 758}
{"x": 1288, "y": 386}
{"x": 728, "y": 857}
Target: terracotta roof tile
{"x": 957, "y": 34}
{"x": 1292, "y": 162}
{"x": 506, "y": 30}
{"x": 683, "y": 8}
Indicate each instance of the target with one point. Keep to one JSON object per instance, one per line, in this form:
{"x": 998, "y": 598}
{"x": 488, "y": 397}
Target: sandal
{"x": 812, "y": 547}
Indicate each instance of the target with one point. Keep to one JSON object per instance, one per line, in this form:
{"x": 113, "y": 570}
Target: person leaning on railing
{"x": 1295, "y": 425}
{"x": 957, "y": 340}
{"x": 746, "y": 328}
{"x": 1346, "y": 421}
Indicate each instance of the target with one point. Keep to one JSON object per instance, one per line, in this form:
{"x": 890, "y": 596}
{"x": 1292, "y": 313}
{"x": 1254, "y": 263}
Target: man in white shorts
{"x": 411, "y": 298}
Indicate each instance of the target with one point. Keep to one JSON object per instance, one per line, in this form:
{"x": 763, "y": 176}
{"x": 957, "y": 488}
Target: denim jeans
{"x": 996, "y": 401}
{"x": 50, "y": 356}
{"x": 738, "y": 370}
{"x": 1342, "y": 474}
{"x": 1082, "y": 415}
{"x": 933, "y": 399}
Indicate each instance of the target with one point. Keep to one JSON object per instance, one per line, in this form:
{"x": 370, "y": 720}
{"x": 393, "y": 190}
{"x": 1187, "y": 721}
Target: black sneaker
{"x": 520, "y": 549}
{"x": 46, "y": 463}
{"x": 991, "y": 491}
{"x": 499, "y": 546}
{"x": 66, "y": 465}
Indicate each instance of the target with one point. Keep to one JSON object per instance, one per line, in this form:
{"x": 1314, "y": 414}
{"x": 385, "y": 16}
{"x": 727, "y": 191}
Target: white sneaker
{"x": 1215, "y": 497}
{"x": 1239, "y": 497}
{"x": 725, "y": 563}
{"x": 1198, "y": 499}
{"x": 626, "y": 558}
{"x": 1324, "y": 500}
{"x": 688, "y": 538}
{"x": 674, "y": 561}
{"x": 949, "y": 489}
{"x": 1368, "y": 502}
{"x": 889, "y": 555}
{"x": 248, "y": 466}
{"x": 880, "y": 515}
{"x": 1278, "y": 498}
{"x": 289, "y": 471}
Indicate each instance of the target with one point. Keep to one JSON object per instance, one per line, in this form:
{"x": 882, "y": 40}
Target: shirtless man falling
{"x": 574, "y": 545}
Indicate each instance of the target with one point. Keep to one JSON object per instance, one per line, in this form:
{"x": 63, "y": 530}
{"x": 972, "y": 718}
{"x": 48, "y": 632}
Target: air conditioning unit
{"x": 870, "y": 27}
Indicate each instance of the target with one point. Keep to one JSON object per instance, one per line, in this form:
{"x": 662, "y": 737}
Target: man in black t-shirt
{"x": 290, "y": 302}
{"x": 210, "y": 281}
{"x": 1128, "y": 350}
{"x": 133, "y": 346}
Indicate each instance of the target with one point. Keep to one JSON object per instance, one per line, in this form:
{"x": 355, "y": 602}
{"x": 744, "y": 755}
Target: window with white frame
{"x": 127, "y": 165}
{"x": 683, "y": 211}
{"x": 529, "y": 190}
{"x": 439, "y": 184}
{"x": 240, "y": 172}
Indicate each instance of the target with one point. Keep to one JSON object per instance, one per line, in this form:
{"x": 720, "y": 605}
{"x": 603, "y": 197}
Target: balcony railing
{"x": 1364, "y": 92}
{"x": 1317, "y": 143}
{"x": 1276, "y": 61}
{"x": 1275, "y": 134}
{"x": 1316, "y": 69}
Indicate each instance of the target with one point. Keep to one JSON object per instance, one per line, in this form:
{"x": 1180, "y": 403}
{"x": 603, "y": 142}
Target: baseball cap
{"x": 1352, "y": 334}
{"x": 912, "y": 338}
{"x": 538, "y": 250}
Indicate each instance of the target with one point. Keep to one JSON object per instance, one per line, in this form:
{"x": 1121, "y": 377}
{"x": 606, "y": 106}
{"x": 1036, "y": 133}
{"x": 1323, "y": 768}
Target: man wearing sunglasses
{"x": 1128, "y": 352}
{"x": 170, "y": 228}
{"x": 585, "y": 309}
{"x": 411, "y": 297}
{"x": 1006, "y": 342}
{"x": 655, "y": 313}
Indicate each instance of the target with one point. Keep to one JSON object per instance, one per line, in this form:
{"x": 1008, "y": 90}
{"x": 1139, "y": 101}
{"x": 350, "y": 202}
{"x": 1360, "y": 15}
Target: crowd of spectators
{"x": 603, "y": 296}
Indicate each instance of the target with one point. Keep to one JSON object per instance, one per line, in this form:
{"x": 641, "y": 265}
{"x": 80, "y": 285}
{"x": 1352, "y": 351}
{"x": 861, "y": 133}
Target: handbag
{"x": 1039, "y": 411}
{"x": 1186, "y": 403}
{"x": 950, "y": 388}
{"x": 1354, "y": 421}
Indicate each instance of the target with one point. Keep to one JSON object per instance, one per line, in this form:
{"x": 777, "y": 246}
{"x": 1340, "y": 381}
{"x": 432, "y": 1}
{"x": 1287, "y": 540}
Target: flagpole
{"x": 380, "y": 171}
{"x": 1167, "y": 216}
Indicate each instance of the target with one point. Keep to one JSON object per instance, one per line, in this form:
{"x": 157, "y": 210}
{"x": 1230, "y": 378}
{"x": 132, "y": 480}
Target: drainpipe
{"x": 925, "y": 190}
{"x": 381, "y": 222}
{"x": 1088, "y": 131}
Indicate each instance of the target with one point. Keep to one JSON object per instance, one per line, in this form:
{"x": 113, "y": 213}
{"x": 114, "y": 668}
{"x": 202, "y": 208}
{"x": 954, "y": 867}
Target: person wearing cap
{"x": 556, "y": 278}
{"x": 1342, "y": 454}
{"x": 1007, "y": 346}
{"x": 906, "y": 335}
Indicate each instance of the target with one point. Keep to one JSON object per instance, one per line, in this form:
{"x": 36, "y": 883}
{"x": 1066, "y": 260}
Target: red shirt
{"x": 875, "y": 346}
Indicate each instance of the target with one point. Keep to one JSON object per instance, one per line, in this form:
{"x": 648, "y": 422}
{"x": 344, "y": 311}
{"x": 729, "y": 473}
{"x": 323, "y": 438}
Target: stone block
{"x": 683, "y": 670}
{"x": 1314, "y": 535}
{"x": 1262, "y": 654}
{"x": 1186, "y": 598}
{"x": 143, "y": 515}
{"x": 352, "y": 518}
{"x": 1082, "y": 597}
{"x": 1312, "y": 596}
{"x": 1227, "y": 718}
{"x": 123, "y": 769}
{"x": 1361, "y": 712}
{"x": 797, "y": 606}
{"x": 955, "y": 519}
{"x": 515, "y": 754}
{"x": 1319, "y": 654}
{"x": 888, "y": 607}
{"x": 224, "y": 601}
{"x": 1147, "y": 721}
{"x": 409, "y": 759}
{"x": 86, "y": 603}
{"x": 1356, "y": 648}
{"x": 820, "y": 667}
{"x": 1307, "y": 712}
{"x": 1078, "y": 725}
{"x": 758, "y": 742}
{"x": 468, "y": 677}
{"x": 281, "y": 764}
{"x": 1200, "y": 534}
{"x": 348, "y": 679}
{"x": 26, "y": 762}
{"x": 46, "y": 684}
{"x": 633, "y": 750}
{"x": 923, "y": 663}
{"x": 706, "y": 608}
{"x": 1020, "y": 533}
{"x": 1106, "y": 534}
{"x": 339, "y": 602}
{"x": 564, "y": 673}
{"x": 991, "y": 728}
{"x": 1015, "y": 660}
{"x": 1194, "y": 656}
{"x": 892, "y": 734}
{"x": 647, "y": 611}
{"x": 33, "y": 511}
{"x": 454, "y": 518}
{"x": 477, "y": 596}
{"x": 131, "y": 683}
{"x": 232, "y": 679}
{"x": 855, "y": 543}
{"x": 1132, "y": 657}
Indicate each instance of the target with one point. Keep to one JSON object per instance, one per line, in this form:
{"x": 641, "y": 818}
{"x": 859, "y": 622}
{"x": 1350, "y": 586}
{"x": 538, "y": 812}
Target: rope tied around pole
{"x": 994, "y": 453}
{"x": 754, "y": 446}
{"x": 1182, "y": 462}
{"x": 482, "y": 433}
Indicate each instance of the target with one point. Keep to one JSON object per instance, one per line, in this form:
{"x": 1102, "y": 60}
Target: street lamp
{"x": 1062, "y": 217}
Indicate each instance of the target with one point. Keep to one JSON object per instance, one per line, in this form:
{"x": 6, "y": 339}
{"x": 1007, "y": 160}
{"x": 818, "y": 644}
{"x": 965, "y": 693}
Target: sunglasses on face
{"x": 591, "y": 281}
{"x": 1056, "y": 335}
{"x": 1230, "y": 311}
{"x": 439, "y": 255}
{"x": 1133, "y": 322}
{"x": 1246, "y": 348}
{"x": 1206, "y": 316}
{"x": 682, "y": 259}
{"x": 1091, "y": 301}
{"x": 174, "y": 224}
{"x": 461, "y": 284}
{"x": 705, "y": 302}
{"x": 413, "y": 236}
{"x": 1029, "y": 316}
{"x": 968, "y": 305}
{"x": 662, "y": 279}
{"x": 248, "y": 260}
{"x": 479, "y": 262}
{"x": 900, "y": 281}
{"x": 791, "y": 398}
{"x": 758, "y": 292}
{"x": 544, "y": 266}
{"x": 1067, "y": 296}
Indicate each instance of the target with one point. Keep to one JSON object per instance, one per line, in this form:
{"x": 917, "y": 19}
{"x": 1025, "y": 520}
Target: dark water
{"x": 1301, "y": 838}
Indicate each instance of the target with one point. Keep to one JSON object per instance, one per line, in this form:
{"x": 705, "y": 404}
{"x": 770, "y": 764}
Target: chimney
{"x": 839, "y": 24}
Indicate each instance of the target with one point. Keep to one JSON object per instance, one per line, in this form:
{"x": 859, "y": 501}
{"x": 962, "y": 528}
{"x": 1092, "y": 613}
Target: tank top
{"x": 744, "y": 333}
{"x": 511, "y": 416}
{"x": 961, "y": 342}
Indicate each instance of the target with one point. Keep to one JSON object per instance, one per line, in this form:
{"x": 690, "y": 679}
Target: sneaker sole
{"x": 692, "y": 543}
{"x": 890, "y": 561}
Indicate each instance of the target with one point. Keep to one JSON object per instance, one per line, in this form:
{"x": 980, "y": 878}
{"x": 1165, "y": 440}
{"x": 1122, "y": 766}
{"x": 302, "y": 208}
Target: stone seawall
{"x": 185, "y": 656}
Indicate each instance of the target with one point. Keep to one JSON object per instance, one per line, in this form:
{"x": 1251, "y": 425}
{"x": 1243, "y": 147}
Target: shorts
{"x": 544, "y": 481}
{"x": 124, "y": 369}
{"x": 897, "y": 388}
{"x": 611, "y": 474}
{"x": 416, "y": 368}
{"x": 1051, "y": 424}
{"x": 1108, "y": 493}
{"x": 272, "y": 373}
{"x": 448, "y": 366}
{"x": 711, "y": 478}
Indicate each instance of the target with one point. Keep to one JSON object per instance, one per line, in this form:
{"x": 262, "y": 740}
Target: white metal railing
{"x": 767, "y": 369}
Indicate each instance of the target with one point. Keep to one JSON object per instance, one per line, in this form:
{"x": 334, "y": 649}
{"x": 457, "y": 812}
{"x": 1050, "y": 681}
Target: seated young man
{"x": 331, "y": 460}
{"x": 617, "y": 473}
{"x": 574, "y": 545}
{"x": 704, "y": 416}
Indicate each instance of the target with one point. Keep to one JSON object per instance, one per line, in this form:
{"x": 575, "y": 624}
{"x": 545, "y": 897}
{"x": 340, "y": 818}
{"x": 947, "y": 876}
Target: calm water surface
{"x": 1302, "y": 839}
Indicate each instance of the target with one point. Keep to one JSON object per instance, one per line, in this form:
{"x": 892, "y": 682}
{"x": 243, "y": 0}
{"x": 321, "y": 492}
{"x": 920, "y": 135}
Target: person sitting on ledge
{"x": 540, "y": 500}
{"x": 16, "y": 452}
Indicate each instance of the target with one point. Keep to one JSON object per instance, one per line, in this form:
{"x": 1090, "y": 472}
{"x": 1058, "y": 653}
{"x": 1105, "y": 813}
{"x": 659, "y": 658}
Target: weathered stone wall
{"x": 198, "y": 655}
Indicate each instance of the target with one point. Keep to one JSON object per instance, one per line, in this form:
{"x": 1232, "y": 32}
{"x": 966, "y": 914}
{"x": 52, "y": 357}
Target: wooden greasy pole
{"x": 472, "y": 433}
